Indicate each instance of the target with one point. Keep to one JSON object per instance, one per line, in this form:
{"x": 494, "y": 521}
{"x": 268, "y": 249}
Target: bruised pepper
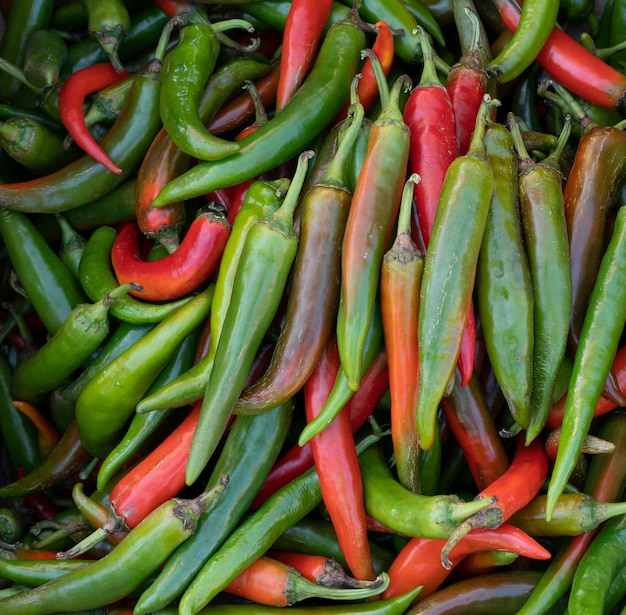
{"x": 447, "y": 287}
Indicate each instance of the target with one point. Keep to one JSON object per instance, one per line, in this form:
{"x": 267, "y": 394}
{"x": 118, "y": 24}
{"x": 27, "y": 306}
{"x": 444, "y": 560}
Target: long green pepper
{"x": 449, "y": 273}
{"x": 264, "y": 266}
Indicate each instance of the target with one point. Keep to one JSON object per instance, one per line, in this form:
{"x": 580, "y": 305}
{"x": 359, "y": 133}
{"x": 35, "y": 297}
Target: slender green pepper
{"x": 108, "y": 22}
{"x": 371, "y": 218}
{"x": 406, "y": 512}
{"x": 545, "y": 239}
{"x": 289, "y": 132}
{"x": 449, "y": 273}
{"x": 599, "y": 339}
{"x": 108, "y": 400}
{"x": 259, "y": 284}
{"x": 503, "y": 284}
{"x": 50, "y": 287}
{"x": 80, "y": 335}
{"x": 97, "y": 279}
{"x": 255, "y": 535}
{"x": 250, "y": 449}
{"x": 44, "y": 55}
{"x": 70, "y": 250}
{"x": 32, "y": 572}
{"x": 125, "y": 568}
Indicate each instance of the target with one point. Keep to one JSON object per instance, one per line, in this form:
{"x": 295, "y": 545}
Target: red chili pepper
{"x": 71, "y": 99}
{"x": 512, "y": 490}
{"x": 418, "y": 562}
{"x": 303, "y": 29}
{"x": 572, "y": 65}
{"x": 338, "y": 468}
{"x": 298, "y": 459}
{"x": 178, "y": 273}
{"x": 171, "y": 7}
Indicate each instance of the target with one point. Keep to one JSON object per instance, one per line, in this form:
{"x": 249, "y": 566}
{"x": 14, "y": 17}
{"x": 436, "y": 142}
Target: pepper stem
{"x": 166, "y": 33}
{"x": 379, "y": 74}
{"x": 98, "y": 535}
{"x": 477, "y": 146}
{"x": 288, "y": 206}
{"x": 429, "y": 71}
{"x": 406, "y": 204}
{"x": 564, "y": 101}
{"x": 16, "y": 73}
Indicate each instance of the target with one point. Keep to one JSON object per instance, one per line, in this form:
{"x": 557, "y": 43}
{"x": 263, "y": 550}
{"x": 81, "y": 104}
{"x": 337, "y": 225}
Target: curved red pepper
{"x": 572, "y": 65}
{"x": 71, "y": 100}
{"x": 179, "y": 273}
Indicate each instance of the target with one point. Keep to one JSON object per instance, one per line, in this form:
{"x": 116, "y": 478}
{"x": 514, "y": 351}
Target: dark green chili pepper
{"x": 35, "y": 146}
{"x": 545, "y": 239}
{"x": 108, "y": 103}
{"x": 24, "y": 19}
{"x": 85, "y": 180}
{"x": 33, "y": 572}
{"x": 185, "y": 72}
{"x": 9, "y": 112}
{"x": 50, "y": 287}
{"x": 12, "y": 525}
{"x": 108, "y": 400}
{"x": 259, "y": 284}
{"x": 143, "y": 426}
{"x": 602, "y": 561}
{"x": 255, "y": 535}
{"x": 108, "y": 22}
{"x": 599, "y": 339}
{"x": 80, "y": 335}
{"x": 72, "y": 245}
{"x": 250, "y": 449}
{"x": 503, "y": 284}
{"x": 19, "y": 435}
{"x": 289, "y": 132}
{"x": 449, "y": 273}
{"x": 125, "y": 568}
{"x": 406, "y": 512}
{"x": 97, "y": 279}
{"x": 45, "y": 53}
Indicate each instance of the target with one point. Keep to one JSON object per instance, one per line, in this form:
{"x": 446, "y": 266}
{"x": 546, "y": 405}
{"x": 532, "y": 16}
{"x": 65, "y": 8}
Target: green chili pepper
{"x": 125, "y": 568}
{"x": 406, "y": 512}
{"x": 289, "y": 132}
{"x": 97, "y": 279}
{"x": 255, "y": 535}
{"x": 108, "y": 400}
{"x": 34, "y": 573}
{"x": 250, "y": 449}
{"x": 599, "y": 339}
{"x": 504, "y": 290}
{"x": 12, "y": 525}
{"x": 259, "y": 284}
{"x": 72, "y": 245}
{"x": 449, "y": 273}
{"x": 108, "y": 22}
{"x": 50, "y": 287}
{"x": 45, "y": 53}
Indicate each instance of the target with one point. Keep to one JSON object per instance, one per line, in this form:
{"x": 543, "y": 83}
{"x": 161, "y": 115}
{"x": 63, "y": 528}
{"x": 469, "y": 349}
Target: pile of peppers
{"x": 314, "y": 306}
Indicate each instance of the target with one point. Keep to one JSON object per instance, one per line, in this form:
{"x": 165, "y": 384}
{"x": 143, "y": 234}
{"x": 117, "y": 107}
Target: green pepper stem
{"x": 429, "y": 72}
{"x": 379, "y": 74}
{"x": 98, "y": 535}
{"x": 231, "y": 24}
{"x": 16, "y": 73}
{"x": 299, "y": 588}
{"x": 406, "y": 204}
{"x": 166, "y": 33}
{"x": 286, "y": 210}
{"x": 568, "y": 105}
{"x": 477, "y": 146}
{"x": 553, "y": 158}
{"x": 518, "y": 141}
{"x": 260, "y": 114}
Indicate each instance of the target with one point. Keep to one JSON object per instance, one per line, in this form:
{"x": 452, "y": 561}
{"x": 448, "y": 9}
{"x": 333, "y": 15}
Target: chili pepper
{"x": 97, "y": 279}
{"x": 108, "y": 23}
{"x": 543, "y": 224}
{"x": 50, "y": 287}
{"x": 35, "y": 146}
{"x": 250, "y": 448}
{"x": 372, "y": 215}
{"x": 303, "y": 30}
{"x": 475, "y": 430}
{"x": 605, "y": 482}
{"x": 132, "y": 562}
{"x": 401, "y": 274}
{"x": 185, "y": 72}
{"x": 572, "y": 65}
{"x": 591, "y": 362}
{"x": 108, "y": 400}
{"x": 142, "y": 427}
{"x": 23, "y": 19}
{"x": 80, "y": 335}
{"x": 418, "y": 562}
{"x": 18, "y": 433}
{"x": 317, "y": 101}
{"x": 537, "y": 20}
{"x": 360, "y": 406}
{"x": 34, "y": 573}
{"x": 503, "y": 280}
{"x": 446, "y": 288}
{"x": 45, "y": 53}
{"x": 511, "y": 491}
{"x": 338, "y": 469}
{"x": 72, "y": 245}
{"x": 84, "y": 180}
{"x": 253, "y": 536}
{"x": 180, "y": 272}
{"x": 71, "y": 101}
{"x": 47, "y": 434}
{"x": 314, "y": 292}
{"x": 107, "y": 103}
{"x": 265, "y": 262}
{"x": 483, "y": 562}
